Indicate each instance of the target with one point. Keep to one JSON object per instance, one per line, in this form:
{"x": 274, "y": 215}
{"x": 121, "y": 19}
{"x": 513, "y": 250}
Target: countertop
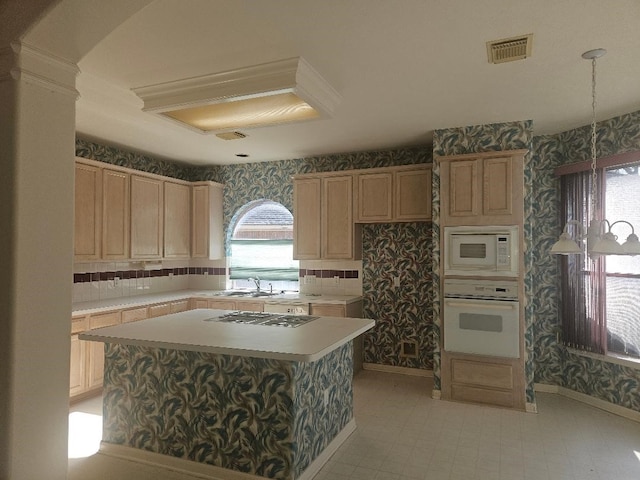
{"x": 189, "y": 331}
{"x": 87, "y": 308}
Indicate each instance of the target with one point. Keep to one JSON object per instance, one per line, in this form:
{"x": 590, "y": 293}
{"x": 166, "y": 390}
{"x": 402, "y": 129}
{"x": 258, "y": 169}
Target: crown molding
{"x": 290, "y": 75}
{"x": 25, "y": 63}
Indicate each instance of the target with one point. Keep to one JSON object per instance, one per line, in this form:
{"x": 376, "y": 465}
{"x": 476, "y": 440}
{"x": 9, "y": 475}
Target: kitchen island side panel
{"x": 323, "y": 399}
{"x": 250, "y": 415}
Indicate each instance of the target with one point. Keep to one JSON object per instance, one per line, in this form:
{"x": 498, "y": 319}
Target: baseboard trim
{"x": 589, "y": 400}
{"x": 211, "y": 472}
{"x": 416, "y": 372}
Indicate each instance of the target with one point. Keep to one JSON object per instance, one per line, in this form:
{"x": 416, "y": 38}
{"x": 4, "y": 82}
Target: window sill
{"x": 630, "y": 362}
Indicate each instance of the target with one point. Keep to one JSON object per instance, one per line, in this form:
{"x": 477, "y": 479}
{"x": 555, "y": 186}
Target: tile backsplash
{"x": 102, "y": 281}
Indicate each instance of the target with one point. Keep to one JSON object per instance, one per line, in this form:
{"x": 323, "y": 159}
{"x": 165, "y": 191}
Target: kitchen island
{"x": 226, "y": 399}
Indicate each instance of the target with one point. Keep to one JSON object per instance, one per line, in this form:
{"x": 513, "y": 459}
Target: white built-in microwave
{"x": 481, "y": 250}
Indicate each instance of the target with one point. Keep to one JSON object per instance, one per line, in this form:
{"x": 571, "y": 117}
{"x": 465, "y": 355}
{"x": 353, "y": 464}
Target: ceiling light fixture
{"x": 598, "y": 242}
{"x": 272, "y": 93}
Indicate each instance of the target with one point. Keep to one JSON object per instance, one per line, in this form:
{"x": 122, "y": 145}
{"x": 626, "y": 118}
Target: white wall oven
{"x": 481, "y": 317}
{"x": 481, "y": 250}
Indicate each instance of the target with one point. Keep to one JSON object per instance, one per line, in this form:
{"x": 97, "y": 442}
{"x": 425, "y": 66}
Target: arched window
{"x": 262, "y": 246}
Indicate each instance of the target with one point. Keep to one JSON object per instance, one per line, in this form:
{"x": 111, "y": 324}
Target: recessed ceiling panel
{"x": 252, "y": 112}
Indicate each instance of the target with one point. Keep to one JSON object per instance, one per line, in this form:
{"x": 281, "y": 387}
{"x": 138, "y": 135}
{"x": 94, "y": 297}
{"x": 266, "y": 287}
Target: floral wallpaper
{"x": 115, "y": 156}
{"x": 403, "y": 314}
{"x": 258, "y": 416}
{"x": 475, "y": 139}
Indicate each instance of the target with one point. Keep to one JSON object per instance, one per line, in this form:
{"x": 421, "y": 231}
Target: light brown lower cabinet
{"x": 485, "y": 380}
{"x": 95, "y": 356}
{"x": 353, "y": 310}
{"x": 78, "y": 358}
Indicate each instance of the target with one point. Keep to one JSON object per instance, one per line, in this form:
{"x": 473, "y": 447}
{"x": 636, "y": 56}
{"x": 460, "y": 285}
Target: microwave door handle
{"x": 479, "y": 305}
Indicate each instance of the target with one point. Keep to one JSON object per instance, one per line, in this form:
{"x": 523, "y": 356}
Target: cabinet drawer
{"x": 159, "y": 310}
{"x": 78, "y": 324}
{"x": 249, "y": 306}
{"x": 134, "y": 314}
{"x": 181, "y": 306}
{"x": 485, "y": 374}
{"x": 199, "y": 303}
{"x": 222, "y": 304}
{"x": 464, "y": 393}
{"x": 104, "y": 320}
{"x": 328, "y": 310}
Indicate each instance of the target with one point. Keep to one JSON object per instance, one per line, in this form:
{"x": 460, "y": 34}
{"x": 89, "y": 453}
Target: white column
{"x": 37, "y": 147}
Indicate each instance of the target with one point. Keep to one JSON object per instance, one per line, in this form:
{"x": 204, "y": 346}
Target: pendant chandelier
{"x": 599, "y": 237}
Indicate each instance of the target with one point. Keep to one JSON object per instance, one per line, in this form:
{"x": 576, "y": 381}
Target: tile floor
{"x": 403, "y": 434}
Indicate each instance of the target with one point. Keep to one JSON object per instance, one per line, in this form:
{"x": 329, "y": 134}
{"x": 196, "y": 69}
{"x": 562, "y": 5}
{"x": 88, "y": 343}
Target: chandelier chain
{"x": 594, "y": 178}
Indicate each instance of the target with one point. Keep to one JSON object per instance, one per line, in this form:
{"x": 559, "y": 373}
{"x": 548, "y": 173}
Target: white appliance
{"x": 481, "y": 317}
{"x": 481, "y": 250}
{"x": 292, "y": 307}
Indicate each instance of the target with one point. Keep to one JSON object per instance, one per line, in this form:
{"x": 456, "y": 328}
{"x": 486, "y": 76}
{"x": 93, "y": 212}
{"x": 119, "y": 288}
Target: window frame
{"x": 584, "y": 316}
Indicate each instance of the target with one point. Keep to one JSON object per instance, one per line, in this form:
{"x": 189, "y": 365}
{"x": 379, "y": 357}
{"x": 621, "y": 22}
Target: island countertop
{"x": 198, "y": 330}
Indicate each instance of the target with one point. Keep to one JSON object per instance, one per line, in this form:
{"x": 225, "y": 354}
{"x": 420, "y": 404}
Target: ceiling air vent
{"x": 509, "y": 49}
{"x": 230, "y": 135}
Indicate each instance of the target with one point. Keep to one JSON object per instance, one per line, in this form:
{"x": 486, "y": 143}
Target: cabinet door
{"x": 497, "y": 193}
{"x": 413, "y": 195}
{"x": 177, "y": 220}
{"x": 207, "y": 229}
{"x": 146, "y": 217}
{"x": 337, "y": 218}
{"x": 463, "y": 188}
{"x": 374, "y": 197}
{"x": 87, "y": 213}
{"x": 96, "y": 349}
{"x": 115, "y": 214}
{"x": 77, "y": 367}
{"x": 306, "y": 219}
{"x": 221, "y": 304}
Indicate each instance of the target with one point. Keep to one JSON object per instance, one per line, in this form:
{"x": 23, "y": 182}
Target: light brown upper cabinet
{"x": 412, "y": 191}
{"x": 306, "y": 218}
{"x": 337, "y": 230}
{"x": 87, "y": 213}
{"x": 177, "y": 220}
{"x": 146, "y": 217}
{"x": 115, "y": 214}
{"x": 323, "y": 224}
{"x": 125, "y": 214}
{"x": 374, "y": 197}
{"x": 393, "y": 194}
{"x": 482, "y": 188}
{"x": 207, "y": 229}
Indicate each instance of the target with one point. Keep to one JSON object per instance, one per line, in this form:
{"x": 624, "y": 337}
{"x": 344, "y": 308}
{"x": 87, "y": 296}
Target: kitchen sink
{"x": 242, "y": 293}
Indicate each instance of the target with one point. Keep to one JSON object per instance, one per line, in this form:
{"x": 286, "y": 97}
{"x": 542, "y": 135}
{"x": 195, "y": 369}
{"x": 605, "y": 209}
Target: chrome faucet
{"x": 257, "y": 282}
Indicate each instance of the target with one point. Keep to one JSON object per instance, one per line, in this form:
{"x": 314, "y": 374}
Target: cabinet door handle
{"x": 509, "y": 306}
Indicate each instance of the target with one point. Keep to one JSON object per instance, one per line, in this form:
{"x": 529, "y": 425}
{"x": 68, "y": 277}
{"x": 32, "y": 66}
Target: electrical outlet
{"x": 396, "y": 281}
{"x": 170, "y": 276}
{"x": 116, "y": 281}
{"x": 206, "y": 273}
{"x": 309, "y": 279}
{"x": 336, "y": 280}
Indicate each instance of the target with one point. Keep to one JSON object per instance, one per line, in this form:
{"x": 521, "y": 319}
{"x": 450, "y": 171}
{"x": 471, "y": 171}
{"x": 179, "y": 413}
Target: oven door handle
{"x": 493, "y": 306}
